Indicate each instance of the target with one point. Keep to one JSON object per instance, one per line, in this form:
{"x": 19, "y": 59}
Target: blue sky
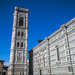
{"x": 45, "y": 17}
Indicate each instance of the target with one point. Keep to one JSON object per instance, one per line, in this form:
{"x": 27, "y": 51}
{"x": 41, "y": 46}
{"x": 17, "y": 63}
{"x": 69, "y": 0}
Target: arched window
{"x": 22, "y": 34}
{"x": 17, "y": 44}
{"x": 21, "y": 44}
{"x": 21, "y": 21}
{"x": 18, "y": 33}
{"x": 58, "y": 56}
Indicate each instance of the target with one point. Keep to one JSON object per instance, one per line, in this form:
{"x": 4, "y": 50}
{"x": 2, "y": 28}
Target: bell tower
{"x": 18, "y": 54}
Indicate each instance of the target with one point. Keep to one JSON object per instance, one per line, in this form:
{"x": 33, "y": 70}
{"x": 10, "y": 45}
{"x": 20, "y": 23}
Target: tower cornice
{"x": 21, "y": 10}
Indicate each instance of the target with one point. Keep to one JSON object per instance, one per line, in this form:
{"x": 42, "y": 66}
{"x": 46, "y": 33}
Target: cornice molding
{"x": 57, "y": 31}
{"x": 21, "y": 10}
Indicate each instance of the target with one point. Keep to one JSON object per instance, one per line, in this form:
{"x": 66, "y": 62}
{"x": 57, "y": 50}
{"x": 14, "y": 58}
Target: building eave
{"x": 57, "y": 31}
{"x": 61, "y": 28}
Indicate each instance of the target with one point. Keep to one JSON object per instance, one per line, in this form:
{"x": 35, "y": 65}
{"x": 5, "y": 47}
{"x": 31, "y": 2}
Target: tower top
{"x": 21, "y": 9}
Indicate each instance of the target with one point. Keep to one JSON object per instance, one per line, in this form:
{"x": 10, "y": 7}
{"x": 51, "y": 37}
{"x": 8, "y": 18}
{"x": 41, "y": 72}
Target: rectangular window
{"x": 21, "y": 21}
{"x": 44, "y": 60}
{"x": 69, "y": 68}
{"x": 21, "y": 73}
{"x": 58, "y": 57}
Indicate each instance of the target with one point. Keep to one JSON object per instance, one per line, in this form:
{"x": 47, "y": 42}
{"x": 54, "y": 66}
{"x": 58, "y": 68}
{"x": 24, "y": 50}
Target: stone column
{"x": 68, "y": 49}
{"x": 26, "y": 41}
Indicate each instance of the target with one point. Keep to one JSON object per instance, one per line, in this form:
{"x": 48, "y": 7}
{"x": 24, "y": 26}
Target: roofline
{"x": 39, "y": 44}
{"x": 62, "y": 27}
{"x": 57, "y": 31}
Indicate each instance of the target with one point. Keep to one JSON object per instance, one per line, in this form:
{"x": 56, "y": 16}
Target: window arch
{"x": 21, "y": 44}
{"x": 22, "y": 34}
{"x": 58, "y": 56}
{"x": 17, "y": 44}
{"x": 21, "y": 21}
{"x": 19, "y": 33}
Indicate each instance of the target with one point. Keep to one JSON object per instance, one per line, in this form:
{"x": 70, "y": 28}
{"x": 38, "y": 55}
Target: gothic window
{"x": 21, "y": 44}
{"x": 17, "y": 44}
{"x": 69, "y": 68}
{"x": 18, "y": 33}
{"x": 40, "y": 72}
{"x": 21, "y": 21}
{"x": 19, "y": 56}
{"x": 44, "y": 60}
{"x": 21, "y": 73}
{"x": 22, "y": 34}
{"x": 58, "y": 58}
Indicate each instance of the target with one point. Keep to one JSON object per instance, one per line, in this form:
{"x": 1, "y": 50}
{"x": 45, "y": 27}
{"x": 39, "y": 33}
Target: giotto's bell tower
{"x": 18, "y": 55}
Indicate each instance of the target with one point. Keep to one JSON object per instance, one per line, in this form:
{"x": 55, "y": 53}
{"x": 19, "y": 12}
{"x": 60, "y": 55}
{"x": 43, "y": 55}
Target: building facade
{"x": 3, "y": 68}
{"x": 18, "y": 55}
{"x": 56, "y": 54}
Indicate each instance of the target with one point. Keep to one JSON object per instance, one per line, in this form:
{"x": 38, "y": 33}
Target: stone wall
{"x": 56, "y": 54}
